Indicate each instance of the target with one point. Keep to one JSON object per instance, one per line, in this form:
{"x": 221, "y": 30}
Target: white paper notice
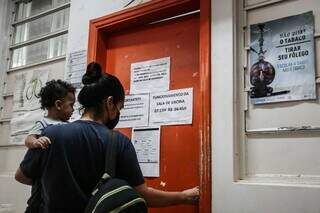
{"x": 150, "y": 76}
{"x": 146, "y": 142}
{"x": 77, "y": 64}
{"x": 26, "y": 106}
{"x": 135, "y": 112}
{"x": 22, "y": 123}
{"x": 172, "y": 107}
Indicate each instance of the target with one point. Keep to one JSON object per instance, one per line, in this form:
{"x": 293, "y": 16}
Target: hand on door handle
{"x": 192, "y": 195}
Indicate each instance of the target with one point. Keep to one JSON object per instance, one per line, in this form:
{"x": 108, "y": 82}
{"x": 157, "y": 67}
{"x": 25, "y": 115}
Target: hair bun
{"x": 93, "y": 73}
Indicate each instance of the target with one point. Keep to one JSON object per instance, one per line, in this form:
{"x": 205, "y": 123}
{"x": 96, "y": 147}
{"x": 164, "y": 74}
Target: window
{"x": 40, "y": 31}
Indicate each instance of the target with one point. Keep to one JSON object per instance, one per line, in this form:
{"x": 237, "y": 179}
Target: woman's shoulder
{"x": 118, "y": 136}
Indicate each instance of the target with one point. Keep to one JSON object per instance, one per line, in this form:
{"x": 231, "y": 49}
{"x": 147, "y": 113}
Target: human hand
{"x": 42, "y": 142}
{"x": 191, "y": 196}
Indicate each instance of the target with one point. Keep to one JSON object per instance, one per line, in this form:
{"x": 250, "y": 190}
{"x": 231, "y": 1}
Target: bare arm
{"x": 158, "y": 198}
{"x": 20, "y": 177}
{"x": 34, "y": 141}
{"x": 30, "y": 141}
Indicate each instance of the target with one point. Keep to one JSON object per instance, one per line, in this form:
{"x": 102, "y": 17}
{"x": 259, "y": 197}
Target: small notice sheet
{"x": 135, "y": 112}
{"x": 26, "y": 106}
{"x": 77, "y": 64}
{"x": 146, "y": 142}
{"x": 171, "y": 108}
{"x": 150, "y": 76}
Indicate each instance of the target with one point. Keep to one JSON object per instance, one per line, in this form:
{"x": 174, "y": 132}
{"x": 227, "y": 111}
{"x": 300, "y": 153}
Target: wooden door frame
{"x": 157, "y": 10}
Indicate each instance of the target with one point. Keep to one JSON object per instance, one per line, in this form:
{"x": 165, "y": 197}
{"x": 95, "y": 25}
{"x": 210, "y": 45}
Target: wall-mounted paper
{"x": 22, "y": 123}
{"x": 26, "y": 106}
{"x": 77, "y": 64}
{"x": 282, "y": 60}
{"x": 135, "y": 112}
{"x": 150, "y": 76}
{"x": 172, "y": 107}
{"x": 146, "y": 142}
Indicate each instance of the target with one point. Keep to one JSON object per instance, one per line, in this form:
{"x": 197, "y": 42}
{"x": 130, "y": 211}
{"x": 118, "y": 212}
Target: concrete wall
{"x": 8, "y": 159}
{"x": 13, "y": 196}
{"x": 265, "y": 173}
{"x": 81, "y": 13}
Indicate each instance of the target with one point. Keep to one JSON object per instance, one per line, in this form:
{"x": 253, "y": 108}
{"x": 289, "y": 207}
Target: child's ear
{"x": 58, "y": 104}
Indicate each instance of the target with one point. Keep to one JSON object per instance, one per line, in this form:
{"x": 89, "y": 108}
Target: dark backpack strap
{"x": 111, "y": 154}
{"x": 110, "y": 161}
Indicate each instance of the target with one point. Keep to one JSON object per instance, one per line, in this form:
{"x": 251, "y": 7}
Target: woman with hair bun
{"x": 74, "y": 163}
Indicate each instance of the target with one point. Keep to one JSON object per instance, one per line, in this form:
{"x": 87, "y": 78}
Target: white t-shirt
{"x": 42, "y": 124}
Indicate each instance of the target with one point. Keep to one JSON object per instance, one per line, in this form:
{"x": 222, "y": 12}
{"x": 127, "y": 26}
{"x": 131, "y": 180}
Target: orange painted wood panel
{"x": 101, "y": 29}
{"x": 180, "y": 144}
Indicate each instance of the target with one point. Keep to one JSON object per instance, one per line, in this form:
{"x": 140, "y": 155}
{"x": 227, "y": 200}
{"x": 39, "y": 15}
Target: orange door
{"x": 178, "y": 39}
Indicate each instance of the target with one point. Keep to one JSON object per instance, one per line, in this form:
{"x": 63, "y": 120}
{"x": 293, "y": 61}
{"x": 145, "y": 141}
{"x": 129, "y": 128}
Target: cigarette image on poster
{"x": 282, "y": 64}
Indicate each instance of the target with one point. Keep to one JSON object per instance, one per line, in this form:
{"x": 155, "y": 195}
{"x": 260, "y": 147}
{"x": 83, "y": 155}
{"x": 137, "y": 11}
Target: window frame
{"x": 37, "y": 39}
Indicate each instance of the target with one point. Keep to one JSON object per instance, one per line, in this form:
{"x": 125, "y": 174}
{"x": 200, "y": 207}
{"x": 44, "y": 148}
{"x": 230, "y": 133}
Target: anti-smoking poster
{"x": 282, "y": 64}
